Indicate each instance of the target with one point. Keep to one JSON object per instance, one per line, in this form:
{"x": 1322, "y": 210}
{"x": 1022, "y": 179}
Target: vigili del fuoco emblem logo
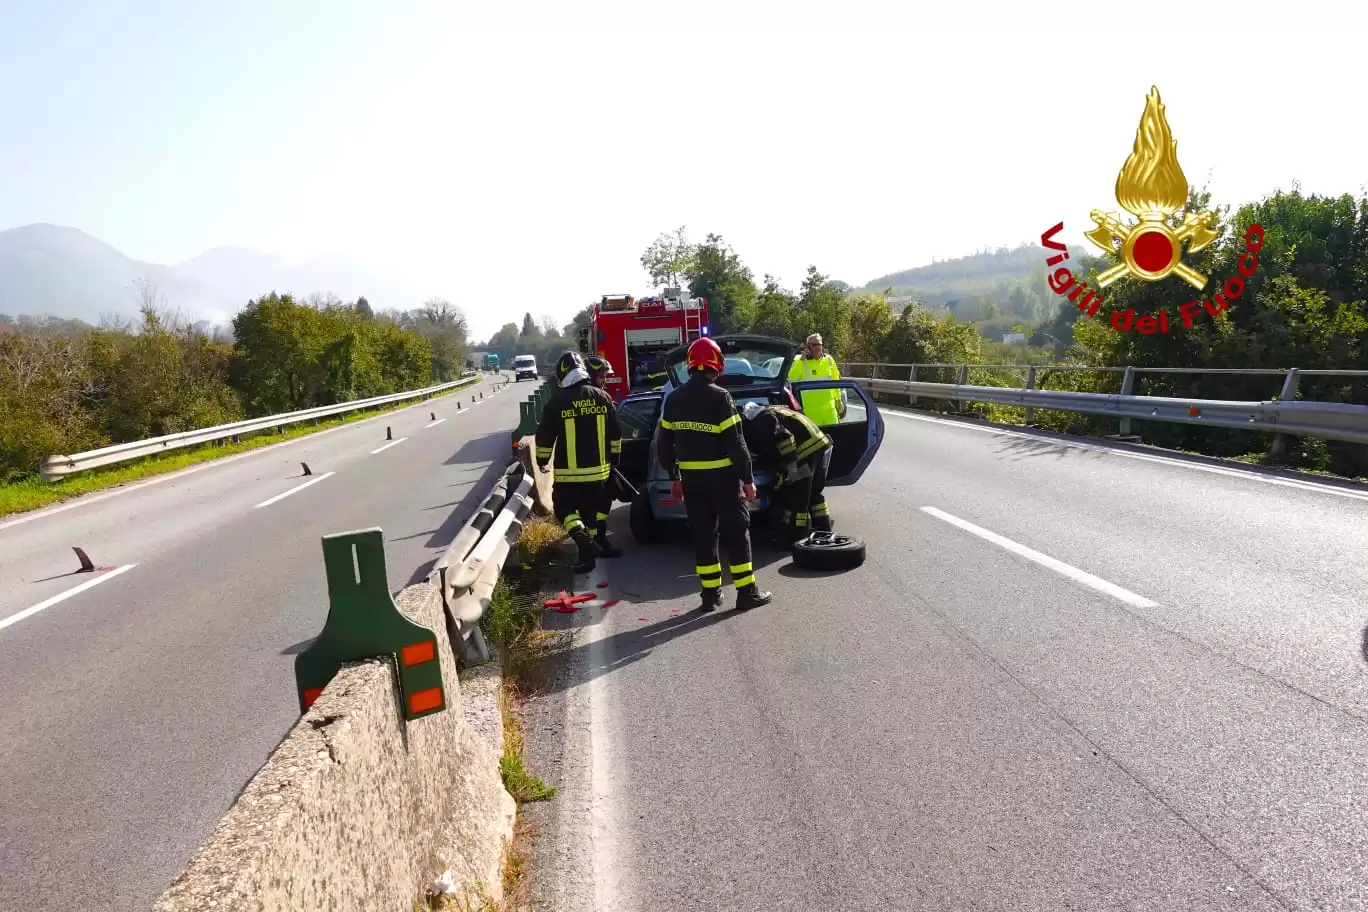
{"x": 1153, "y": 188}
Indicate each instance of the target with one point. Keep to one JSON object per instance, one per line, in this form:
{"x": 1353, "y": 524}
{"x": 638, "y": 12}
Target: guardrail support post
{"x": 1278, "y": 449}
{"x": 1127, "y": 384}
{"x": 962, "y": 380}
{"x": 1030, "y": 385}
{"x": 912, "y": 378}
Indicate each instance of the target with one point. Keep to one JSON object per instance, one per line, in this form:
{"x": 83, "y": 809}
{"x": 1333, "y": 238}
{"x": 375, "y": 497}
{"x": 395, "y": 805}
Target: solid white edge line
{"x": 1143, "y": 457}
{"x": 63, "y": 596}
{"x": 434, "y": 424}
{"x": 87, "y": 499}
{"x": 297, "y": 488}
{"x": 1058, "y": 566}
{"x": 388, "y": 445}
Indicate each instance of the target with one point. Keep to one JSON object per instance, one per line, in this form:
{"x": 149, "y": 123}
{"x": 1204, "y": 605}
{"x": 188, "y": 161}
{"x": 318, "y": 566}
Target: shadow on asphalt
{"x": 494, "y": 448}
{"x": 572, "y": 667}
{"x": 1026, "y": 447}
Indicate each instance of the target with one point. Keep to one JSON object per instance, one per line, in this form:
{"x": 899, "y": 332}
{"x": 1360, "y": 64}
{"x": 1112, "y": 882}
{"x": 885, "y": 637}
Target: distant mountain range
{"x": 990, "y": 271}
{"x": 64, "y": 272}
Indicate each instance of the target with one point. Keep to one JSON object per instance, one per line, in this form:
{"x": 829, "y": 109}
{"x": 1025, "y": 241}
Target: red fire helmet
{"x": 705, "y": 352}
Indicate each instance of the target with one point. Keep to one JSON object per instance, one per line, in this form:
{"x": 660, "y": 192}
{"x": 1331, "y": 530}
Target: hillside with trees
{"x": 67, "y": 386}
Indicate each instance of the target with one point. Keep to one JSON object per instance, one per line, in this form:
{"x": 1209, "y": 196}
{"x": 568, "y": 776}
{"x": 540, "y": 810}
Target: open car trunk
{"x": 752, "y": 362}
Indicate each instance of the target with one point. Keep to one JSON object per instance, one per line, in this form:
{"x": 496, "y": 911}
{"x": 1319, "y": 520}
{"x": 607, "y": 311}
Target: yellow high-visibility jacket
{"x": 824, "y": 407}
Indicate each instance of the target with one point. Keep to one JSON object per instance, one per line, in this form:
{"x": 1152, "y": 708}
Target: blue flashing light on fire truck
{"x": 635, "y": 334}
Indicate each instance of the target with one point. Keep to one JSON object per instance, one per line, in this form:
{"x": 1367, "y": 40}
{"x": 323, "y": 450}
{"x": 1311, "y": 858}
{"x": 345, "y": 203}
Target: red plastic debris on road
{"x": 567, "y": 603}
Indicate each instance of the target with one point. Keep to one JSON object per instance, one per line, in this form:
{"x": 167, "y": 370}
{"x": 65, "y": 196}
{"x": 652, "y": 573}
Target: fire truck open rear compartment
{"x": 635, "y": 334}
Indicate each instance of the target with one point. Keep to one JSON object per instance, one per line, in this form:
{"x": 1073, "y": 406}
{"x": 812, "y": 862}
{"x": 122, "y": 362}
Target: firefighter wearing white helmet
{"x": 579, "y": 429}
{"x": 794, "y": 441}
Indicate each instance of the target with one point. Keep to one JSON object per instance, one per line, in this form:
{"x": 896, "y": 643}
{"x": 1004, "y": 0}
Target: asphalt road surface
{"x": 1067, "y": 678}
{"x": 135, "y": 710}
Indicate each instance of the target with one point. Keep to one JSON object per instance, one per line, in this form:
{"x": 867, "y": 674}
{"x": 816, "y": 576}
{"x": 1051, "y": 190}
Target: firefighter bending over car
{"x": 703, "y": 450}
{"x": 579, "y": 425}
{"x": 803, "y": 451}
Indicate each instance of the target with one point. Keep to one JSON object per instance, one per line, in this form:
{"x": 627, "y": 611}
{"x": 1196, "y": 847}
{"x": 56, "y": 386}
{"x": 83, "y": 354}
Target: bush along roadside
{"x": 512, "y": 625}
{"x": 33, "y": 493}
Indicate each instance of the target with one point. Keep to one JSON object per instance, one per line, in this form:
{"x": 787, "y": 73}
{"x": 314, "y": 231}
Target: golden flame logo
{"x": 1152, "y": 187}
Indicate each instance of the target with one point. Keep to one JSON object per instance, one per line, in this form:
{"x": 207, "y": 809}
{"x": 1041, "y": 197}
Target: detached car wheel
{"x": 646, "y": 529}
{"x": 828, "y": 551}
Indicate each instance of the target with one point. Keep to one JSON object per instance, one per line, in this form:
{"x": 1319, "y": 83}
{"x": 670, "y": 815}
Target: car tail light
{"x": 793, "y": 403}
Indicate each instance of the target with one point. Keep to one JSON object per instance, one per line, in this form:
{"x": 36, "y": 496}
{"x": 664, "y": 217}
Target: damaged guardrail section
{"x": 381, "y": 786}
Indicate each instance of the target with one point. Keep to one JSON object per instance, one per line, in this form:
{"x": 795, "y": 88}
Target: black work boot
{"x": 606, "y": 547}
{"x": 588, "y": 551}
{"x": 748, "y": 597}
{"x": 712, "y": 600}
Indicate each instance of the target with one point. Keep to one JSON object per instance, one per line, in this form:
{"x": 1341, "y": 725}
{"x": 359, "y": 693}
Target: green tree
{"x": 716, "y": 273}
{"x": 669, "y": 258}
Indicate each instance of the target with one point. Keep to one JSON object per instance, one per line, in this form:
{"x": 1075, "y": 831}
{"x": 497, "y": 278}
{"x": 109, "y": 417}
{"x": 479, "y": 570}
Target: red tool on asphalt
{"x": 567, "y": 603}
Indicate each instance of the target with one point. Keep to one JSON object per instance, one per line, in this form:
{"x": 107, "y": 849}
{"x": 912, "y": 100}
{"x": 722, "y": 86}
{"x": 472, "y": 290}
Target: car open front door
{"x": 637, "y": 416}
{"x": 858, "y": 434}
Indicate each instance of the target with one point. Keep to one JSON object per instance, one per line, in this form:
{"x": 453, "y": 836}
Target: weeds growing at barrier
{"x": 512, "y": 623}
{"x": 32, "y": 493}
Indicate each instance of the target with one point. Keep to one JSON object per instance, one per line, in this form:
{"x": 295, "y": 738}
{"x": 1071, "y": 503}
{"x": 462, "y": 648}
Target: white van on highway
{"x": 524, "y": 368}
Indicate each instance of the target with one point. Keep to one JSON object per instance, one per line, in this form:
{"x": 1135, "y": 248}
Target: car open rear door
{"x": 858, "y": 434}
{"x": 637, "y": 416}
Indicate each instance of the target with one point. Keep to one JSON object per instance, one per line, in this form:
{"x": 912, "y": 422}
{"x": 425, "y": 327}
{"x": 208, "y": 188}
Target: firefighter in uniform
{"x": 579, "y": 426}
{"x": 600, "y": 368}
{"x": 794, "y": 441}
{"x": 703, "y": 450}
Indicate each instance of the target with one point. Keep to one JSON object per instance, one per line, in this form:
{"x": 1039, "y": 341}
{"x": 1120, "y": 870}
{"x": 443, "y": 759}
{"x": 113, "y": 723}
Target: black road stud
{"x": 307, "y": 470}
{"x": 389, "y": 435}
{"x": 87, "y": 565}
{"x": 432, "y": 416}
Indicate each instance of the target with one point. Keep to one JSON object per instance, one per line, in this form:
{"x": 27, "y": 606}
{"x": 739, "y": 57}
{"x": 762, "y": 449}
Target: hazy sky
{"x": 522, "y": 160}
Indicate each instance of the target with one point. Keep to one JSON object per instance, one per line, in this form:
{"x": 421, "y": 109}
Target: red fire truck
{"x": 634, "y": 334}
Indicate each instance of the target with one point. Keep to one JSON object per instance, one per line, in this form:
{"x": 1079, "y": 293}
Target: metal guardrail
{"x": 472, "y": 563}
{"x": 57, "y": 467}
{"x": 1285, "y": 415}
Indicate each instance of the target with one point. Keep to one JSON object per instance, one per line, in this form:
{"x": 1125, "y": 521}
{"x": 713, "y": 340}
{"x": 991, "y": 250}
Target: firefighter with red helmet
{"x": 704, "y": 452}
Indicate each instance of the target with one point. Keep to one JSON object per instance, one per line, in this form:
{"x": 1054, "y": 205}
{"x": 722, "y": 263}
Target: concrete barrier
{"x": 541, "y": 481}
{"x": 357, "y": 809}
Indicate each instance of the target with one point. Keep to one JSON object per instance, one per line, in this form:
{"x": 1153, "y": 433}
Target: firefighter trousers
{"x": 715, "y": 505}
{"x": 577, "y": 504}
{"x": 805, "y": 506}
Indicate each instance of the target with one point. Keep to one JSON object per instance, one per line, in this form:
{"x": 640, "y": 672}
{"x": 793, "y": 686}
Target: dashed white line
{"x": 435, "y": 423}
{"x": 296, "y": 489}
{"x": 388, "y": 445}
{"x": 1144, "y": 457}
{"x": 1058, "y": 566}
{"x": 63, "y": 596}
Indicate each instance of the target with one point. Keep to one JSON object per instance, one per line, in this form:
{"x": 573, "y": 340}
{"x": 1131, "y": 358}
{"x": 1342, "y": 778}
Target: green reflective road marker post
{"x": 363, "y": 623}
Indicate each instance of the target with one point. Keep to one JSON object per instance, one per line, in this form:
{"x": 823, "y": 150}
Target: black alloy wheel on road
{"x": 828, "y": 551}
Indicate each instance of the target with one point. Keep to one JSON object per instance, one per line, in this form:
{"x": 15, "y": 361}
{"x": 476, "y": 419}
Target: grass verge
{"x": 33, "y": 493}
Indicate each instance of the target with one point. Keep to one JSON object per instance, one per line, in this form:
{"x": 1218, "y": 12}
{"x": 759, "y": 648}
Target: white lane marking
{"x": 478, "y": 402}
{"x": 388, "y": 445}
{"x": 87, "y": 499}
{"x": 1144, "y": 457}
{"x": 435, "y": 423}
{"x": 602, "y": 813}
{"x": 63, "y": 596}
{"x": 1058, "y": 566}
{"x": 296, "y": 489}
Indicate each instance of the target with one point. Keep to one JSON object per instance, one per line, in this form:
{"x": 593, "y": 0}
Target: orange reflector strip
{"x": 1193, "y": 412}
{"x": 313, "y": 693}
{"x": 424, "y": 700}
{"x": 418, "y": 652}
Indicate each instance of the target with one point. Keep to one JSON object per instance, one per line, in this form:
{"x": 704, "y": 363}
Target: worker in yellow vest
{"x": 823, "y": 407}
